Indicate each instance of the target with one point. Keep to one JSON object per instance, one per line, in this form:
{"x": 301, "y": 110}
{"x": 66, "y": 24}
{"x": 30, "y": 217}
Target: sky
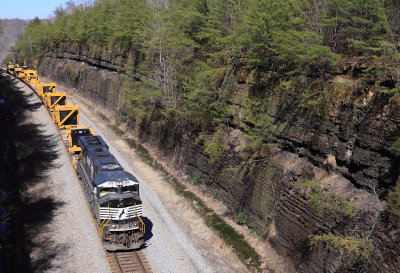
{"x": 29, "y": 9}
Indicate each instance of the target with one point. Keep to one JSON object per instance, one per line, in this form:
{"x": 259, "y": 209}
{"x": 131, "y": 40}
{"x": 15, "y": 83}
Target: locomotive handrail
{"x": 102, "y": 225}
{"x": 143, "y": 225}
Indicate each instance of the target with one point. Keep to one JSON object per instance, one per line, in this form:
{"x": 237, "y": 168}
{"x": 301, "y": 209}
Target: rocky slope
{"x": 343, "y": 145}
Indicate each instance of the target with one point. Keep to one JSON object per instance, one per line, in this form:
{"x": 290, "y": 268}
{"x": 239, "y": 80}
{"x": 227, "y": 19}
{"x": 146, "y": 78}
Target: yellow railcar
{"x": 66, "y": 116}
{"x": 52, "y": 99}
{"x": 10, "y": 67}
{"x": 43, "y": 89}
{"x": 73, "y": 133}
{"x": 31, "y": 76}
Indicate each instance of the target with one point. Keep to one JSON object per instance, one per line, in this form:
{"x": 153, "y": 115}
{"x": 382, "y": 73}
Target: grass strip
{"x": 246, "y": 253}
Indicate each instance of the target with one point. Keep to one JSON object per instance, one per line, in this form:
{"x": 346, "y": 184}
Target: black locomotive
{"x": 113, "y": 195}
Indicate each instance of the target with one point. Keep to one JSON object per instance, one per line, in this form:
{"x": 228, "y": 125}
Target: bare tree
{"x": 11, "y": 29}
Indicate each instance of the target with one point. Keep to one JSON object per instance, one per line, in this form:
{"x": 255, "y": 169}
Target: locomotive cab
{"x": 119, "y": 200}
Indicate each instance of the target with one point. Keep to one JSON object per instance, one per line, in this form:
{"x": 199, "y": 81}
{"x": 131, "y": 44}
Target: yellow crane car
{"x": 29, "y": 73}
{"x": 43, "y": 89}
{"x": 36, "y": 82}
{"x": 66, "y": 116}
{"x": 10, "y": 67}
{"x": 52, "y": 99}
{"x": 31, "y": 76}
{"x": 73, "y": 133}
{"x": 17, "y": 71}
{"x": 21, "y": 74}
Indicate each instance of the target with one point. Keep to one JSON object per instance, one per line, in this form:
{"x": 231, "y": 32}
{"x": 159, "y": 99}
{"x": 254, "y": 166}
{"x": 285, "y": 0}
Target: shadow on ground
{"x": 26, "y": 153}
{"x": 148, "y": 228}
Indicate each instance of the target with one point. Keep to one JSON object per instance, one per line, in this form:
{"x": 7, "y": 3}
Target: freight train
{"x": 112, "y": 193}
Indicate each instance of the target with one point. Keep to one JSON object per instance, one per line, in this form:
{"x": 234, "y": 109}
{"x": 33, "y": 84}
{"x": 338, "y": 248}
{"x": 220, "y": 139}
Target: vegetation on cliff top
{"x": 190, "y": 50}
{"x": 193, "y": 56}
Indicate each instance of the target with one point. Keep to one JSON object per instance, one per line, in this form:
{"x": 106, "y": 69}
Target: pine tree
{"x": 356, "y": 27}
{"x": 279, "y": 37}
{"x": 393, "y": 200}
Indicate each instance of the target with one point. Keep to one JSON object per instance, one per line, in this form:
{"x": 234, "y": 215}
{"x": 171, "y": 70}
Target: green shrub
{"x": 395, "y": 148}
{"x": 214, "y": 145}
{"x": 72, "y": 72}
{"x": 240, "y": 171}
{"x": 320, "y": 198}
{"x": 241, "y": 218}
{"x": 196, "y": 175}
{"x": 393, "y": 200}
{"x": 360, "y": 247}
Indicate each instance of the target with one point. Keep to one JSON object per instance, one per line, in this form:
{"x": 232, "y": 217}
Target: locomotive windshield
{"x": 119, "y": 190}
{"x": 104, "y": 191}
{"x": 132, "y": 189}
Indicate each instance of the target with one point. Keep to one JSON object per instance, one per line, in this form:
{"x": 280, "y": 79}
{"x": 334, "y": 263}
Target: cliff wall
{"x": 344, "y": 145}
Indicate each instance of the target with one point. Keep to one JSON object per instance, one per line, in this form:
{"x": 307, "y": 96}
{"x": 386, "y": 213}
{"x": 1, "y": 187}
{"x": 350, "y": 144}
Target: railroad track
{"x": 124, "y": 262}
{"x": 120, "y": 262}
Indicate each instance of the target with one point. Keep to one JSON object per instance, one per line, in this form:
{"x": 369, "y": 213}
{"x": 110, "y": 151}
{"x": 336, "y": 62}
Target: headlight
{"x": 113, "y": 226}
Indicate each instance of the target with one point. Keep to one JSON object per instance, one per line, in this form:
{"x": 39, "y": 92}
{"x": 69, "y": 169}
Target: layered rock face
{"x": 100, "y": 85}
{"x": 353, "y": 134}
{"x": 343, "y": 146}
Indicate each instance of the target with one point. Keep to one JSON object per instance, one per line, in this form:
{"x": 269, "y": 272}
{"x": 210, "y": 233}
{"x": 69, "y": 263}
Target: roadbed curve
{"x": 71, "y": 234}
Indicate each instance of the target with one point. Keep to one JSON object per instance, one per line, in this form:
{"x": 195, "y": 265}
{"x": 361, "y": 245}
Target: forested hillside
{"x": 188, "y": 51}
{"x": 289, "y": 109}
{"x": 11, "y": 28}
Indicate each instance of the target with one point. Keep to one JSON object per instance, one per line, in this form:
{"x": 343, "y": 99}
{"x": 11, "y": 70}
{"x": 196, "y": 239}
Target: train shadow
{"x": 149, "y": 227}
{"x": 27, "y": 152}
